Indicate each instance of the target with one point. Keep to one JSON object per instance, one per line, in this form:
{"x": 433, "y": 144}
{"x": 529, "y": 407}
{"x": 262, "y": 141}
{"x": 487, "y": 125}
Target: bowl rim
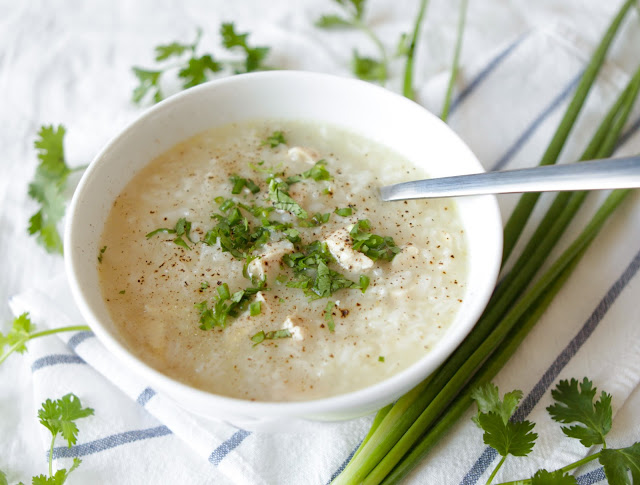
{"x": 386, "y": 390}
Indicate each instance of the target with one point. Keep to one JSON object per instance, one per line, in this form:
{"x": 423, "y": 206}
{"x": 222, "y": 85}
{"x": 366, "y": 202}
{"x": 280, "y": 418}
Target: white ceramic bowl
{"x": 369, "y": 110}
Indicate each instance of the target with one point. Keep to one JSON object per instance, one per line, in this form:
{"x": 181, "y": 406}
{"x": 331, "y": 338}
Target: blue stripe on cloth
{"x": 227, "y": 447}
{"x": 482, "y": 75}
{"x": 624, "y": 138}
{"x": 109, "y": 442}
{"x": 55, "y": 359}
{"x": 592, "y": 477}
{"x": 344, "y": 464}
{"x": 527, "y": 405}
{"x": 78, "y": 338}
{"x": 546, "y": 112}
{"x": 145, "y": 396}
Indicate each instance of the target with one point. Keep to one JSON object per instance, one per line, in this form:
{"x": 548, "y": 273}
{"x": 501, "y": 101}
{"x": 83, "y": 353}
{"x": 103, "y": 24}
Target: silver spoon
{"x": 607, "y": 173}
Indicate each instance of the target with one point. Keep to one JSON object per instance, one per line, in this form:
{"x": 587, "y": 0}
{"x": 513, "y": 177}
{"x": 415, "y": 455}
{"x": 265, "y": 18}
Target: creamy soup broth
{"x": 152, "y": 284}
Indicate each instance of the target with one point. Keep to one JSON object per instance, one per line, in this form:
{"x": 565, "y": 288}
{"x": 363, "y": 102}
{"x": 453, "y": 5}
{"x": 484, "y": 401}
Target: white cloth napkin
{"x": 508, "y": 105}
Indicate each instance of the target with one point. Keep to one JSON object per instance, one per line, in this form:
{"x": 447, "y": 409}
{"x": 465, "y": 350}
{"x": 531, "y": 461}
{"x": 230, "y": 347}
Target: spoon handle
{"x": 608, "y": 173}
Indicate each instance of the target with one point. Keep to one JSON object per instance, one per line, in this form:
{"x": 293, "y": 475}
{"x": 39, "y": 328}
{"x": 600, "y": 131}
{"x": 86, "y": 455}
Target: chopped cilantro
{"x": 255, "y": 308}
{"x": 102, "y": 250}
{"x": 381, "y": 358}
{"x": 282, "y": 200}
{"x": 204, "y": 285}
{"x": 364, "y": 282}
{"x": 313, "y": 275}
{"x": 239, "y": 183}
{"x": 344, "y": 212}
{"x": 226, "y": 305}
{"x": 317, "y": 220}
{"x": 261, "y": 336}
{"x": 373, "y": 246}
{"x": 328, "y": 315}
{"x": 318, "y": 172}
{"x": 182, "y": 228}
{"x": 275, "y": 139}
{"x": 122, "y": 292}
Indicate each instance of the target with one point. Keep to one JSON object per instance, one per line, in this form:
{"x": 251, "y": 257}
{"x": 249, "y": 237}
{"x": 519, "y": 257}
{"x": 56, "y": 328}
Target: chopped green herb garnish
{"x": 318, "y": 172}
{"x": 204, "y": 285}
{"x": 272, "y": 171}
{"x": 282, "y": 200}
{"x": 182, "y": 228}
{"x": 373, "y": 246}
{"x": 239, "y": 183}
{"x": 255, "y": 308}
{"x": 122, "y": 292}
{"x": 102, "y": 250}
{"x": 261, "y": 336}
{"x": 381, "y": 359}
{"x": 275, "y": 139}
{"x": 317, "y": 220}
{"x": 328, "y": 315}
{"x": 313, "y": 275}
{"x": 364, "y": 282}
{"x": 226, "y": 305}
{"x": 344, "y": 212}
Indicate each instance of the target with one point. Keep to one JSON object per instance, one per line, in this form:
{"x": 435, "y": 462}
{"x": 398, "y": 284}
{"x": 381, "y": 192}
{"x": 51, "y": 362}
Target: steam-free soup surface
{"x": 300, "y": 343}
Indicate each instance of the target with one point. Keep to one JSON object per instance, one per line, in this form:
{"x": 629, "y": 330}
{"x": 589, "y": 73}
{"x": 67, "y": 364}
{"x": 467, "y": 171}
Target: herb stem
{"x": 524, "y": 208}
{"x": 564, "y": 469}
{"x": 456, "y": 60}
{"x": 407, "y": 88}
{"x": 495, "y": 470}
{"x": 42, "y": 333}
{"x": 53, "y": 440}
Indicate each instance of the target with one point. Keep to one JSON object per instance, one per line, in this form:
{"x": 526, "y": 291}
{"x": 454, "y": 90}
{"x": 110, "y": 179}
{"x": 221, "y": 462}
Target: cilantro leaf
{"x": 254, "y": 56}
{"x": 371, "y": 245}
{"x": 47, "y": 187}
{"x": 328, "y": 316}
{"x": 333, "y": 22}
{"x": 558, "y": 477}
{"x": 3, "y": 478}
{"x": 148, "y": 82}
{"x": 275, "y": 139}
{"x": 282, "y": 200}
{"x": 19, "y": 334}
{"x": 195, "y": 72}
{"x": 505, "y": 436}
{"x": 368, "y": 68}
{"x": 356, "y": 7}
{"x": 59, "y": 416}
{"x": 574, "y": 404}
{"x": 619, "y": 462}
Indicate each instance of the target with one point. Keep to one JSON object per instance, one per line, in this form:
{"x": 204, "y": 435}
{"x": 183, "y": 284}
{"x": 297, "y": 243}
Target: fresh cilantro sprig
{"x": 182, "y": 228}
{"x": 352, "y": 17}
{"x": 23, "y": 330}
{"x": 192, "y": 68}
{"x": 261, "y": 336}
{"x": 227, "y": 305}
{"x": 574, "y": 403}
{"x": 59, "y": 418}
{"x": 494, "y": 417}
{"x": 48, "y": 186}
{"x": 371, "y": 245}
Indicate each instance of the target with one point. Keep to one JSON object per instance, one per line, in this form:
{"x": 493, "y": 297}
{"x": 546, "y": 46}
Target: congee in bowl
{"x": 229, "y": 247}
{"x": 256, "y": 261}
